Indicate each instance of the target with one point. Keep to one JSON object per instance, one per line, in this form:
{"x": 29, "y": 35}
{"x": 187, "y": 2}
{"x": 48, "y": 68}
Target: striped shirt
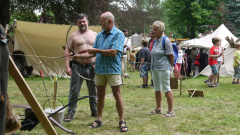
{"x": 114, "y": 39}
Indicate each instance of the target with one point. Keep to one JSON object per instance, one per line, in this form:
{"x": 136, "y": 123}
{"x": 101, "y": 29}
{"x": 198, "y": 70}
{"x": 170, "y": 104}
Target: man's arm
{"x": 66, "y": 53}
{"x": 108, "y": 52}
{"x": 116, "y": 47}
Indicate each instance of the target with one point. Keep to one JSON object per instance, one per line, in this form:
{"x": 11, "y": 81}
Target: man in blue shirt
{"x": 108, "y": 49}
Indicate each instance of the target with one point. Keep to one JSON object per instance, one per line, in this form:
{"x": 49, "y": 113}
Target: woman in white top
{"x": 178, "y": 63}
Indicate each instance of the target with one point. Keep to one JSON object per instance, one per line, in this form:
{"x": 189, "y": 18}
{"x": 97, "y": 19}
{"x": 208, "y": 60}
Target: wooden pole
{"x": 55, "y": 94}
{"x": 31, "y": 99}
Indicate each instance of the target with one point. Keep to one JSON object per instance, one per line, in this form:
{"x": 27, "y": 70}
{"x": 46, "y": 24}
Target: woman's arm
{"x": 222, "y": 55}
{"x": 171, "y": 59}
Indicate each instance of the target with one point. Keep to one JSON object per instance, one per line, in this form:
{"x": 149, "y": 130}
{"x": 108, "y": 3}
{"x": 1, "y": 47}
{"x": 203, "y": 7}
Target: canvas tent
{"x": 227, "y": 67}
{"x": 43, "y": 42}
{"x": 206, "y": 42}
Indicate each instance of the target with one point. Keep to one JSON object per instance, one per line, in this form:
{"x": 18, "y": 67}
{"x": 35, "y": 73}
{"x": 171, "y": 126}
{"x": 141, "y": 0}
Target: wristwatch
{"x": 82, "y": 57}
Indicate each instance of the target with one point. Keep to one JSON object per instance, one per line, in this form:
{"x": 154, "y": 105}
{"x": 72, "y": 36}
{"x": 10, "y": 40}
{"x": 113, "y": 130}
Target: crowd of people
{"x": 101, "y": 59}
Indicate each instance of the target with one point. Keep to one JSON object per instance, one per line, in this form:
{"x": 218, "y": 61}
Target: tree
{"x": 219, "y": 15}
{"x": 4, "y": 12}
{"x": 64, "y": 11}
{"x": 234, "y": 7}
{"x": 136, "y": 15}
{"x": 187, "y": 16}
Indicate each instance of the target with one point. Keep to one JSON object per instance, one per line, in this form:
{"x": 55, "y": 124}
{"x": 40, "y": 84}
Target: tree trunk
{"x": 192, "y": 36}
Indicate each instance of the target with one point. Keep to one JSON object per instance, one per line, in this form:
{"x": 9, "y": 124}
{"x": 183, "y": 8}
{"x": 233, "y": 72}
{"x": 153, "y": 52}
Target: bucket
{"x": 58, "y": 116}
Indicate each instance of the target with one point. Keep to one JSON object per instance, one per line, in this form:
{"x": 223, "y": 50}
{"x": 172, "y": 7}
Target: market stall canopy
{"x": 206, "y": 42}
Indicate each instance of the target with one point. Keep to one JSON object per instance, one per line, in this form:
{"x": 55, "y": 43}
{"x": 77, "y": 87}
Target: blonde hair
{"x": 160, "y": 25}
{"x": 216, "y": 39}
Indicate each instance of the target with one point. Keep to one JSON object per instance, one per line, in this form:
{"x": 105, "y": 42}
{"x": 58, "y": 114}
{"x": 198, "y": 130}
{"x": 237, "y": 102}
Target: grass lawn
{"x": 216, "y": 113}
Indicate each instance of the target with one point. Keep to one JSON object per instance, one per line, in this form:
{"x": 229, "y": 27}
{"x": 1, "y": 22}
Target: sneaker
{"x": 151, "y": 85}
{"x": 233, "y": 82}
{"x": 142, "y": 86}
{"x": 216, "y": 84}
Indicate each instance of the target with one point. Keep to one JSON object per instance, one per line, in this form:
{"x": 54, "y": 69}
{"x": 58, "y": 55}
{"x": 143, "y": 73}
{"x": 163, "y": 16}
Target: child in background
{"x": 236, "y": 64}
{"x": 213, "y": 55}
{"x": 132, "y": 60}
{"x": 179, "y": 62}
{"x": 220, "y": 62}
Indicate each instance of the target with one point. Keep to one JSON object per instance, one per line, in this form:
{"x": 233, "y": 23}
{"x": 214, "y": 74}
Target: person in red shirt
{"x": 213, "y": 55}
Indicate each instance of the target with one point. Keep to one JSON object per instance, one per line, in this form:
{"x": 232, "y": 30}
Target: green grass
{"x": 216, "y": 113}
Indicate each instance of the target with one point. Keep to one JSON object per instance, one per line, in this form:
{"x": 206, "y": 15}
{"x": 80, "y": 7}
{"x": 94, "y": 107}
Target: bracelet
{"x": 82, "y": 57}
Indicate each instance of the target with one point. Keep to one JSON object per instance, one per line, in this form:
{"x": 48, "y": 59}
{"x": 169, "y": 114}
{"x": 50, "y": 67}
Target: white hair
{"x": 160, "y": 25}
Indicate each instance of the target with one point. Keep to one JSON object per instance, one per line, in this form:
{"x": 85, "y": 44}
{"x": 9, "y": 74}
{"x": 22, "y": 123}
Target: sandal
{"x": 98, "y": 122}
{"x": 207, "y": 82}
{"x": 169, "y": 114}
{"x": 156, "y": 111}
{"x": 216, "y": 84}
{"x": 212, "y": 85}
{"x": 68, "y": 118}
{"x": 121, "y": 128}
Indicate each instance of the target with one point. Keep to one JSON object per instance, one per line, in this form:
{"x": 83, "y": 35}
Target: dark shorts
{"x": 214, "y": 69}
{"x": 144, "y": 70}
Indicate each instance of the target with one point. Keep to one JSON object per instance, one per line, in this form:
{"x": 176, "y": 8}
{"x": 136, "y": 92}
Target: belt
{"x": 82, "y": 64}
{"x": 124, "y": 54}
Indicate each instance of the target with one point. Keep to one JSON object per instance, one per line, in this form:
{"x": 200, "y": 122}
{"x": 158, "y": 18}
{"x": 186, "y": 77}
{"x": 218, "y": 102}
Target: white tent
{"x": 206, "y": 42}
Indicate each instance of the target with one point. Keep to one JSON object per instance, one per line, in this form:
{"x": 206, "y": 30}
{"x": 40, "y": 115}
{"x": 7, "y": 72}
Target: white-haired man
{"x": 108, "y": 49}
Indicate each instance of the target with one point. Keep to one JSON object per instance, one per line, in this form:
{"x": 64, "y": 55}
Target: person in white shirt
{"x": 126, "y": 47}
{"x": 178, "y": 62}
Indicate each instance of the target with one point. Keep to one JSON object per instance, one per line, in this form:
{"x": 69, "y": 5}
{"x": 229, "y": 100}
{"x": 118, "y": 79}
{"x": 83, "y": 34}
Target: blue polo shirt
{"x": 114, "y": 39}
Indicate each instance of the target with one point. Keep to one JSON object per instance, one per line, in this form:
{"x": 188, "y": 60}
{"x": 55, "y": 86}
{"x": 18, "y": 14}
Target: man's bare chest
{"x": 80, "y": 40}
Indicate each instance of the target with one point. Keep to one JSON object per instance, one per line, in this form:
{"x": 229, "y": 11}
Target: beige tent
{"x": 227, "y": 67}
{"x": 43, "y": 42}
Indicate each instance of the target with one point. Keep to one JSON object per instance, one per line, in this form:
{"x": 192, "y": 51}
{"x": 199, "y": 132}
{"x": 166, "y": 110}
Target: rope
{"x": 34, "y": 52}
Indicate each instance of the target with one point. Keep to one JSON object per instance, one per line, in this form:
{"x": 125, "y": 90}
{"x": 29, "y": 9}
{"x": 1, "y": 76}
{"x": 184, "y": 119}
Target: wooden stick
{"x": 31, "y": 99}
{"x": 55, "y": 94}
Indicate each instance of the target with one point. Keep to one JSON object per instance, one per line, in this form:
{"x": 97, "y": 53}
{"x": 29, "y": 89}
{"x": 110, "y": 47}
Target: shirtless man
{"x": 80, "y": 41}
